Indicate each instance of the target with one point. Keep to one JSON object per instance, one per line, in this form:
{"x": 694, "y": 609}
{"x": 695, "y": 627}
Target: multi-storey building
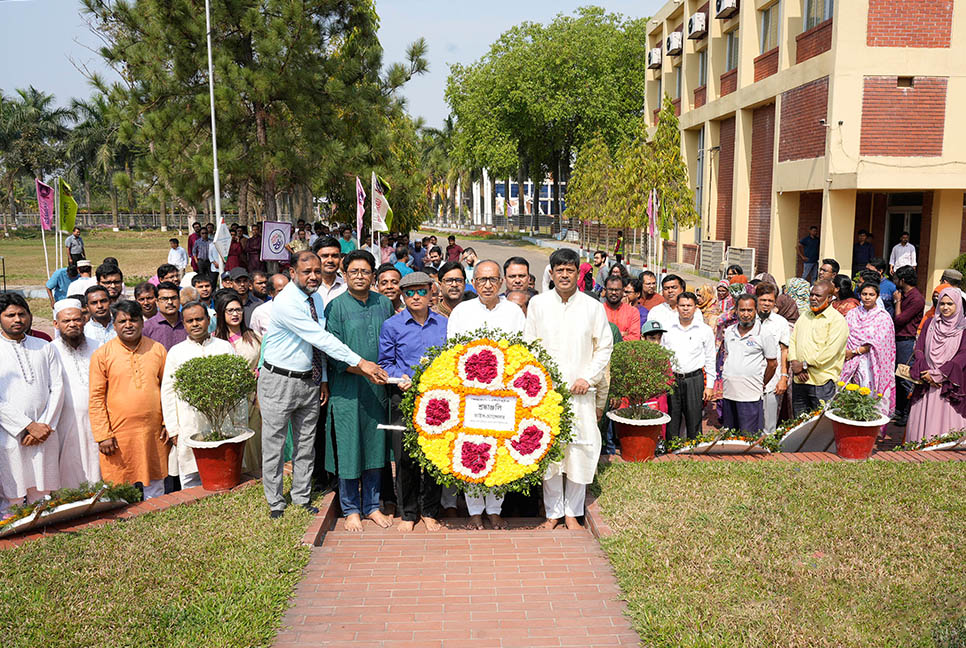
{"x": 836, "y": 113}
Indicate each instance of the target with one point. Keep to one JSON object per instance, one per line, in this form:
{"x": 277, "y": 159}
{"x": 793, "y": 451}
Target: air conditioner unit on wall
{"x": 654, "y": 59}
{"x": 725, "y": 9}
{"x": 674, "y": 43}
{"x": 698, "y": 26}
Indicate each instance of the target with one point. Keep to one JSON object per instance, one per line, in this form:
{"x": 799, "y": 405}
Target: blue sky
{"x": 457, "y": 32}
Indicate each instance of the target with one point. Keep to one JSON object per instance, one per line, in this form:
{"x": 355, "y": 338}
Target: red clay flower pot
{"x": 855, "y": 439}
{"x": 220, "y": 462}
{"x": 639, "y": 438}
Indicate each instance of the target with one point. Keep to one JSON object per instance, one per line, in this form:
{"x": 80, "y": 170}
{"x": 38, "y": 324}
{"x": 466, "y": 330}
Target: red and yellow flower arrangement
{"x": 499, "y": 372}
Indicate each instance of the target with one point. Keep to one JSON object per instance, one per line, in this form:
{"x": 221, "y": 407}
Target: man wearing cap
{"x": 952, "y": 277}
{"x": 652, "y": 331}
{"x": 242, "y": 284}
{"x": 79, "y": 457}
{"x": 289, "y": 384}
{"x": 84, "y": 279}
{"x": 167, "y": 327}
{"x": 497, "y": 314}
{"x": 404, "y": 339}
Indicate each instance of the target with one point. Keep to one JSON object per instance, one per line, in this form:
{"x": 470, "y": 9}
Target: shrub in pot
{"x": 215, "y": 386}
{"x": 857, "y": 419}
{"x": 640, "y": 372}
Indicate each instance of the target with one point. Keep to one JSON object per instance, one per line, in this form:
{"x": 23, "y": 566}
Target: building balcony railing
{"x": 729, "y": 82}
{"x": 813, "y": 42}
{"x": 766, "y": 64}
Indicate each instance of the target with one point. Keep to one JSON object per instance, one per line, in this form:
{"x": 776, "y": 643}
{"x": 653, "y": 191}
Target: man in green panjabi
{"x": 357, "y": 450}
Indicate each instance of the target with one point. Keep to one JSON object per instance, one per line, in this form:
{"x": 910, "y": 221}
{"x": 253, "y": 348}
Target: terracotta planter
{"x": 855, "y": 439}
{"x": 220, "y": 462}
{"x": 638, "y": 437}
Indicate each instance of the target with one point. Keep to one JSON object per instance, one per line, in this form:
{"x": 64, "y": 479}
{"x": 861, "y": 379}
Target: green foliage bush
{"x": 215, "y": 385}
{"x": 639, "y": 371}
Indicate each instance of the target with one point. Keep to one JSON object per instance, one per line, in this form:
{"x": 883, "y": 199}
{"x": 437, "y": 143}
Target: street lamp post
{"x": 211, "y": 93}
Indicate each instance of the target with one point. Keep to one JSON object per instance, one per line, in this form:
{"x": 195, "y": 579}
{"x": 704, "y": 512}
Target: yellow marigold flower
{"x": 852, "y": 387}
{"x": 865, "y": 391}
{"x": 841, "y": 383}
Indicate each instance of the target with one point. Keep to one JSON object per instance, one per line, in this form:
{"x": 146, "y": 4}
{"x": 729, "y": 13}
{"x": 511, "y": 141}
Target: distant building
{"x": 836, "y": 113}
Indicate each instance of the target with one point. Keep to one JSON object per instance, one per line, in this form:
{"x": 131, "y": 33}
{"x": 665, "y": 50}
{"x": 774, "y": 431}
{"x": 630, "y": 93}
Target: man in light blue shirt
{"x": 59, "y": 282}
{"x": 292, "y": 384}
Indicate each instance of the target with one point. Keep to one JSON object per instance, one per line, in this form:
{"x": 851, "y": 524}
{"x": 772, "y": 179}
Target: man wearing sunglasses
{"x": 404, "y": 339}
{"x": 497, "y": 314}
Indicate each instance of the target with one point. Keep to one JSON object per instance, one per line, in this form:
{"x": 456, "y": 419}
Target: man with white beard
{"x": 31, "y": 394}
{"x": 79, "y": 456}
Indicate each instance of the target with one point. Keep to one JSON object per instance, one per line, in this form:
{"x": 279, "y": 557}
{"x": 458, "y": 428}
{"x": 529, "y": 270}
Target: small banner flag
{"x": 275, "y": 235}
{"x": 68, "y": 207}
{"x": 45, "y": 204}
{"x": 222, "y": 238}
{"x": 360, "y": 208}
{"x": 651, "y": 213}
{"x": 381, "y": 211}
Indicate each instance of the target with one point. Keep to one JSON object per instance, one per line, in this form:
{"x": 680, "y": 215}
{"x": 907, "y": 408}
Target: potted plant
{"x": 856, "y": 420}
{"x": 215, "y": 386}
{"x": 640, "y": 372}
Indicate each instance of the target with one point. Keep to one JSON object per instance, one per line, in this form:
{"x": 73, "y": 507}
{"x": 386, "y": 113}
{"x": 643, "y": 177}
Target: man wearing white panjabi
{"x": 31, "y": 395}
{"x": 181, "y": 419}
{"x": 496, "y": 314}
{"x": 573, "y": 328}
{"x": 79, "y": 456}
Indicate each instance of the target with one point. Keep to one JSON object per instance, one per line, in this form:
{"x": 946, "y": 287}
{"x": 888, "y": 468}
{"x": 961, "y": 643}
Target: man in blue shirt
{"x": 404, "y": 339}
{"x": 861, "y": 252}
{"x": 402, "y": 262}
{"x": 58, "y": 283}
{"x": 808, "y": 253}
{"x": 887, "y": 288}
{"x": 292, "y": 382}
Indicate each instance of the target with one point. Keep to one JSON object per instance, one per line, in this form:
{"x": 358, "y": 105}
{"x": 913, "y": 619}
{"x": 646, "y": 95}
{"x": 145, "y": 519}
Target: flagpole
{"x": 57, "y": 263}
{"x": 211, "y": 93}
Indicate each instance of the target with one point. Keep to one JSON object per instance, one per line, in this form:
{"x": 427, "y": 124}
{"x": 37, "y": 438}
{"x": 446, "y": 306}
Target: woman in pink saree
{"x": 939, "y": 363}
{"x": 870, "y": 352}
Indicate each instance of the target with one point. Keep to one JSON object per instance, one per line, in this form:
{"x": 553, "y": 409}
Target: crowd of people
{"x": 335, "y": 333}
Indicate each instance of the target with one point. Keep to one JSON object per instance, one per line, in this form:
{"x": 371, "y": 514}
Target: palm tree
{"x": 32, "y": 132}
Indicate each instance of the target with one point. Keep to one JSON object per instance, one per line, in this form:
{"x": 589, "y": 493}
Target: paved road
{"x": 500, "y": 251}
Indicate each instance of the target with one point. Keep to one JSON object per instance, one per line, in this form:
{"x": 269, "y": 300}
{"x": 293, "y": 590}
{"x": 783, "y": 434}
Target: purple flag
{"x": 360, "y": 208}
{"x": 45, "y": 203}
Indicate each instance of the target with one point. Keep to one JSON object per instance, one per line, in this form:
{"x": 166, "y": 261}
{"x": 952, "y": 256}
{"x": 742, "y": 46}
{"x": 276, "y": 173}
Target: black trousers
{"x": 687, "y": 402}
{"x": 74, "y": 258}
{"x": 322, "y": 478}
{"x": 417, "y": 493}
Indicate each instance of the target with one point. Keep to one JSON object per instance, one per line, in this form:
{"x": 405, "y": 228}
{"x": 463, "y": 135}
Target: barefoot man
{"x": 357, "y": 449}
{"x": 573, "y": 328}
{"x": 405, "y": 338}
{"x": 497, "y": 314}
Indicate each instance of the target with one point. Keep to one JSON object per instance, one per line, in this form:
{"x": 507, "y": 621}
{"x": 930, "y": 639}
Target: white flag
{"x": 381, "y": 212}
{"x": 222, "y": 238}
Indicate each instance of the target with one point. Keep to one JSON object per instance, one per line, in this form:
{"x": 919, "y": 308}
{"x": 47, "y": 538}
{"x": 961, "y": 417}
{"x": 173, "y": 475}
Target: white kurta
{"x": 578, "y": 338}
{"x": 31, "y": 390}
{"x": 471, "y": 315}
{"x": 79, "y": 455}
{"x": 180, "y": 419}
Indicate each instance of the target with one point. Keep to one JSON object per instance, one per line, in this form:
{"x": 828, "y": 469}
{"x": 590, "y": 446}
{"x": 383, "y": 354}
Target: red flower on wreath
{"x": 482, "y": 366}
{"x": 475, "y": 455}
{"x": 529, "y": 440}
{"x": 529, "y": 383}
{"x": 437, "y": 411}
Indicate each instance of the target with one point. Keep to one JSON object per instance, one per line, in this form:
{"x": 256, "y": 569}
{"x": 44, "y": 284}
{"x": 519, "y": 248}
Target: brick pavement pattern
{"x": 457, "y": 588}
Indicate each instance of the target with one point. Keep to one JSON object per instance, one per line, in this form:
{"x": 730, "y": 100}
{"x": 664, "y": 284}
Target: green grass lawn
{"x": 730, "y": 554}
{"x": 214, "y": 573}
{"x": 139, "y": 253}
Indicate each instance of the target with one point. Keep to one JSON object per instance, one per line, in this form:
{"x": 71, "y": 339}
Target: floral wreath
{"x": 490, "y": 370}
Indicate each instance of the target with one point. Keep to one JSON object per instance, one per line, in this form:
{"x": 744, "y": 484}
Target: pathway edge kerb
{"x": 595, "y": 521}
{"x": 323, "y": 522}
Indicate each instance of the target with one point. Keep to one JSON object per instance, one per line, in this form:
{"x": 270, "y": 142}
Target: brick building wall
{"x": 903, "y": 121}
{"x": 700, "y": 96}
{"x": 766, "y": 64}
{"x": 802, "y": 136}
{"x": 670, "y": 252}
{"x": 813, "y": 42}
{"x": 809, "y": 213}
{"x": 729, "y": 82}
{"x": 909, "y": 23}
{"x": 762, "y": 162}
{"x": 726, "y": 176}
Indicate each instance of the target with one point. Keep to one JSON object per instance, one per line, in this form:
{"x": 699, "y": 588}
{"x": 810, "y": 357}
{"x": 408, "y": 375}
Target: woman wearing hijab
{"x": 708, "y": 303}
{"x": 939, "y": 362}
{"x": 932, "y": 311}
{"x": 723, "y": 296}
{"x": 798, "y": 289}
{"x": 845, "y": 299}
{"x": 870, "y": 352}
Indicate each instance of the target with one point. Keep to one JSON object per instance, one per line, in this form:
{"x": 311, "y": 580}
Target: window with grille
{"x": 732, "y": 58}
{"x": 770, "y": 26}
{"x": 817, "y": 11}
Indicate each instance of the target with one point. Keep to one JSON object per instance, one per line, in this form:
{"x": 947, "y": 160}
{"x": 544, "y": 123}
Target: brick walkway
{"x": 458, "y": 588}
